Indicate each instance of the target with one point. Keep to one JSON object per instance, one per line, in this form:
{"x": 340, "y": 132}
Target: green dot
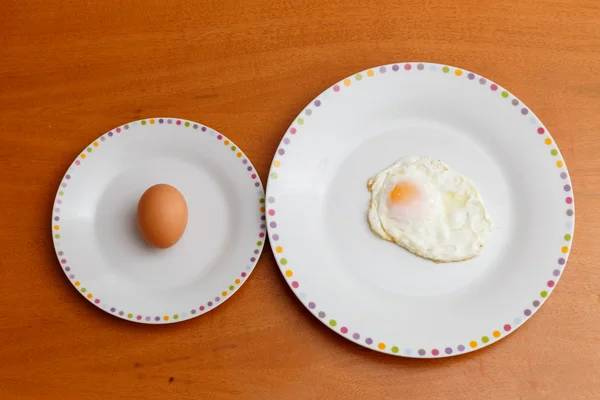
{"x": 83, "y": 290}
{"x": 283, "y": 261}
{"x": 332, "y": 322}
{"x": 274, "y": 175}
{"x": 485, "y": 339}
{"x": 61, "y": 193}
{"x": 544, "y": 294}
{"x": 262, "y": 201}
{"x": 395, "y": 349}
{"x": 175, "y": 316}
{"x": 505, "y": 94}
{"x": 231, "y": 287}
{"x": 446, "y": 70}
{"x": 300, "y": 121}
{"x": 187, "y": 124}
{"x": 567, "y": 237}
{"x": 358, "y": 77}
{"x": 143, "y": 122}
{"x": 233, "y": 148}
{"x": 57, "y": 236}
{"x": 129, "y": 315}
{"x": 259, "y": 243}
{"x": 89, "y": 149}
{"x": 553, "y": 152}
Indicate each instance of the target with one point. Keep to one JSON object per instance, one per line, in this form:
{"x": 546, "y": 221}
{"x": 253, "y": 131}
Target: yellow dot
{"x": 289, "y": 273}
{"x": 278, "y": 249}
{"x": 473, "y": 344}
{"x": 151, "y": 121}
{"x": 381, "y": 346}
{"x": 56, "y": 227}
{"x": 224, "y": 294}
{"x": 496, "y": 334}
{"x": 548, "y": 141}
{"x": 237, "y": 281}
{"x": 166, "y": 317}
{"x": 239, "y": 155}
{"x": 83, "y": 156}
{"x": 559, "y": 164}
{"x": 226, "y": 143}
{"x": 370, "y": 72}
{"x": 565, "y": 249}
{"x": 89, "y": 296}
{"x": 77, "y": 283}
{"x": 95, "y": 144}
{"x": 276, "y": 163}
{"x": 347, "y": 82}
{"x": 458, "y": 72}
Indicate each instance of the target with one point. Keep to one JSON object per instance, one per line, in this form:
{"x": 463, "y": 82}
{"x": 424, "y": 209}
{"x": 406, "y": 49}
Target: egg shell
{"x": 162, "y": 215}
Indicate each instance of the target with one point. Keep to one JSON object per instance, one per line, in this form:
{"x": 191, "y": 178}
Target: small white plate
{"x": 377, "y": 294}
{"x": 96, "y": 235}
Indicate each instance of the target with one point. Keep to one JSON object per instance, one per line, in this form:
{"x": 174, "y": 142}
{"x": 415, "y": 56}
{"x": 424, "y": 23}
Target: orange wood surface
{"x": 71, "y": 70}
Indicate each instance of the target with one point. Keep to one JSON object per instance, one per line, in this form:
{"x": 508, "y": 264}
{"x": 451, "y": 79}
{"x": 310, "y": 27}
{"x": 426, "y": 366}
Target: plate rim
{"x": 220, "y": 296}
{"x": 467, "y": 346}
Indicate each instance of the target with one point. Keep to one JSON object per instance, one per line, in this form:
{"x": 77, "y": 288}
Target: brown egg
{"x": 162, "y": 215}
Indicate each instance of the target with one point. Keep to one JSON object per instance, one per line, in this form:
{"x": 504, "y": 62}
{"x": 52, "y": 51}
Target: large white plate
{"x": 97, "y": 240}
{"x": 377, "y": 294}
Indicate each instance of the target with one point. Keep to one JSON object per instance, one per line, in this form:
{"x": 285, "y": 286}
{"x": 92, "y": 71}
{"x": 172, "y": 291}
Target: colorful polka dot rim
{"x": 61, "y": 233}
{"x": 291, "y": 271}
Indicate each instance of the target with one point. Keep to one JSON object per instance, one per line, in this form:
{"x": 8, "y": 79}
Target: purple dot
{"x": 420, "y": 67}
{"x": 471, "y": 76}
{"x": 281, "y": 151}
{"x": 536, "y": 303}
{"x": 567, "y": 188}
{"x": 56, "y": 219}
{"x": 110, "y": 134}
{"x": 317, "y": 103}
{"x": 275, "y": 237}
{"x": 67, "y": 269}
{"x": 286, "y": 141}
{"x": 217, "y": 299}
{"x": 311, "y": 305}
{"x": 157, "y": 318}
{"x": 461, "y": 348}
{"x": 308, "y": 111}
{"x": 356, "y": 336}
{"x": 369, "y": 340}
{"x": 556, "y": 272}
{"x": 448, "y": 350}
{"x": 102, "y": 138}
{"x": 147, "y": 318}
{"x": 527, "y": 312}
{"x": 160, "y": 121}
{"x": 249, "y": 168}
{"x": 169, "y": 121}
{"x": 209, "y": 304}
{"x": 113, "y": 309}
{"x": 252, "y": 259}
{"x": 203, "y": 129}
{"x": 71, "y": 276}
{"x": 273, "y": 224}
{"x": 563, "y": 175}
{"x": 262, "y": 217}
{"x": 524, "y": 111}
{"x": 244, "y": 161}
{"x": 482, "y": 81}
{"x": 68, "y": 176}
{"x": 561, "y": 261}
{"x": 395, "y": 68}
{"x": 382, "y": 70}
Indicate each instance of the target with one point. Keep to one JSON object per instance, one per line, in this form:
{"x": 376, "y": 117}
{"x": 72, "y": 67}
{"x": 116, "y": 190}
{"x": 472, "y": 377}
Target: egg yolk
{"x": 403, "y": 193}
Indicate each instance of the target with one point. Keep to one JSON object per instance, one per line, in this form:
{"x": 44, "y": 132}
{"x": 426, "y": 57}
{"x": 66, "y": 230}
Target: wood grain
{"x": 71, "y": 70}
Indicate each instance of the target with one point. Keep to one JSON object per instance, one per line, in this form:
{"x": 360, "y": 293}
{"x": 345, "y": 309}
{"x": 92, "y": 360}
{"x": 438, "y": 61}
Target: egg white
{"x": 449, "y": 222}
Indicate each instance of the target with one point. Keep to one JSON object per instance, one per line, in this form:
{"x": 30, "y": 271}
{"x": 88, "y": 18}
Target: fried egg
{"x": 419, "y": 203}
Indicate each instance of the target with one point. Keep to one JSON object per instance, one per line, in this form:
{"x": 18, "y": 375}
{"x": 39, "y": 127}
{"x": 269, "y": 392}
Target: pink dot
{"x": 494, "y": 87}
{"x": 541, "y": 131}
{"x": 569, "y": 200}
{"x": 119, "y": 131}
{"x": 97, "y": 301}
{"x": 201, "y": 308}
{"x": 63, "y": 261}
{"x": 295, "y": 285}
{"x": 77, "y": 162}
{"x": 336, "y": 88}
{"x": 253, "y": 176}
{"x": 220, "y": 137}
{"x": 293, "y": 131}
{"x": 262, "y": 234}
{"x": 59, "y": 201}
{"x": 435, "y": 352}
{"x": 344, "y": 330}
{"x": 178, "y": 122}
{"x": 550, "y": 283}
{"x": 139, "y": 317}
{"x": 507, "y": 327}
{"x": 271, "y": 212}
{"x": 407, "y": 67}
{"x": 243, "y": 274}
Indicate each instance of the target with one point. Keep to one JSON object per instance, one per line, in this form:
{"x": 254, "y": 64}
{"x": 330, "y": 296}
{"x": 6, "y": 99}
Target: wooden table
{"x": 71, "y": 70}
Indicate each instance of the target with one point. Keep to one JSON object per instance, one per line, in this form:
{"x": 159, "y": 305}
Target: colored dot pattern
{"x": 288, "y": 268}
{"x": 88, "y": 155}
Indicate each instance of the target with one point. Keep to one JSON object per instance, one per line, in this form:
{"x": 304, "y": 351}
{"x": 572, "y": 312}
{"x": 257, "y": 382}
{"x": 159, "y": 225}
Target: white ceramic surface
{"x": 376, "y": 293}
{"x": 97, "y": 239}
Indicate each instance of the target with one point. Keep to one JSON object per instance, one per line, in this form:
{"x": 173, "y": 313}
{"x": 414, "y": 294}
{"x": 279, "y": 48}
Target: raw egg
{"x": 162, "y": 215}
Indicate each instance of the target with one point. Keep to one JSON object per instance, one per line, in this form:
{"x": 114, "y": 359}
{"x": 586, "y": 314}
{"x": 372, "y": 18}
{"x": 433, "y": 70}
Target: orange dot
{"x": 496, "y": 334}
{"x": 276, "y": 163}
{"x": 237, "y": 281}
{"x": 262, "y": 209}
{"x": 347, "y": 82}
{"x": 289, "y": 273}
{"x": 83, "y": 156}
{"x": 565, "y": 249}
{"x": 381, "y": 346}
{"x": 473, "y": 344}
{"x": 226, "y": 143}
{"x": 279, "y": 249}
{"x": 166, "y": 317}
{"x": 151, "y": 121}
{"x": 370, "y": 72}
{"x": 559, "y": 164}
{"x": 77, "y": 283}
{"x": 548, "y": 141}
{"x": 458, "y": 72}
{"x": 89, "y": 296}
{"x": 224, "y": 294}
{"x": 239, "y": 155}
{"x": 56, "y": 227}
{"x": 95, "y": 144}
